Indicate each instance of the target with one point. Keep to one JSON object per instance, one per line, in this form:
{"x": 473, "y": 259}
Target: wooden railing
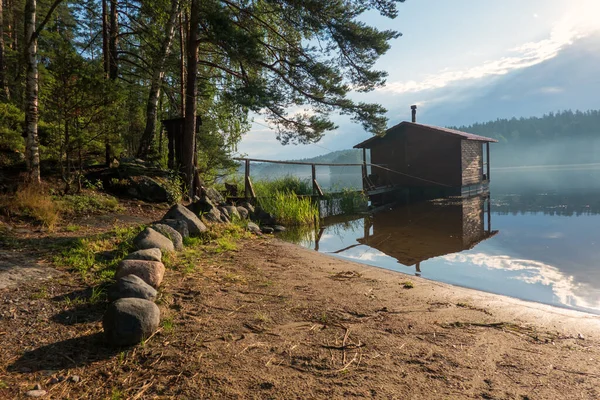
{"x": 249, "y": 192}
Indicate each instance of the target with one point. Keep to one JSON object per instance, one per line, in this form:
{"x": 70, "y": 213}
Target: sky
{"x": 451, "y": 51}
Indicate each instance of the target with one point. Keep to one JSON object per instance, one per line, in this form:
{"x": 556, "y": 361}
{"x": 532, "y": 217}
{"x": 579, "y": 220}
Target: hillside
{"x": 351, "y": 156}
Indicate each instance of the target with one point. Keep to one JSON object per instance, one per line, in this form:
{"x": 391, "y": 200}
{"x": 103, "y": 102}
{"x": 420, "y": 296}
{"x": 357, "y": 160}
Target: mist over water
{"x": 546, "y": 248}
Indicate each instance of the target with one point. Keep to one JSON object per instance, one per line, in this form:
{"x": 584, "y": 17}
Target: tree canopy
{"x": 100, "y": 74}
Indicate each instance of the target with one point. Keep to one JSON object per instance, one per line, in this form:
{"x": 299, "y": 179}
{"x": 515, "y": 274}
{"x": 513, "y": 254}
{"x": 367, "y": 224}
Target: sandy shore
{"x": 274, "y": 320}
{"x": 503, "y": 307}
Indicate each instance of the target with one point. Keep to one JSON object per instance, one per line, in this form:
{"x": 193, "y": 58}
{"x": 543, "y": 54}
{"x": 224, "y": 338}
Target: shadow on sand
{"x": 70, "y": 353}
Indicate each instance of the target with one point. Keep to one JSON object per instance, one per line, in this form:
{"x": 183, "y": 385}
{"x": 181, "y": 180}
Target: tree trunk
{"x": 105, "y": 50}
{"x": 4, "y": 94}
{"x": 189, "y": 129}
{"x": 31, "y": 93}
{"x": 182, "y": 64}
{"x": 113, "y": 65}
{"x": 113, "y": 40}
{"x": 157, "y": 76}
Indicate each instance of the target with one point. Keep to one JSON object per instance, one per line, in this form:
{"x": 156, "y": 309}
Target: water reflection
{"x": 524, "y": 249}
{"x": 416, "y": 233}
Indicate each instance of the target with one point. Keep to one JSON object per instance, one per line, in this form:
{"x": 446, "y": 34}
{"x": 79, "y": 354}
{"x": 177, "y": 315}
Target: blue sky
{"x": 450, "y": 51}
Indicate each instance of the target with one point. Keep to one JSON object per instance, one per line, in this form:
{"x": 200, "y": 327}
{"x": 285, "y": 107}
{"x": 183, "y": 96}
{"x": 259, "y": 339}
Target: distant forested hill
{"x": 566, "y": 137}
{"x": 351, "y": 156}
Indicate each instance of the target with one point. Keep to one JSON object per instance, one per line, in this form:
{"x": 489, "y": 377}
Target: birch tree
{"x": 32, "y": 86}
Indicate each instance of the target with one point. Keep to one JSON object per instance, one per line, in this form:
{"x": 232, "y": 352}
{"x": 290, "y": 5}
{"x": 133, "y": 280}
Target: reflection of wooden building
{"x": 428, "y": 161}
{"x": 412, "y": 234}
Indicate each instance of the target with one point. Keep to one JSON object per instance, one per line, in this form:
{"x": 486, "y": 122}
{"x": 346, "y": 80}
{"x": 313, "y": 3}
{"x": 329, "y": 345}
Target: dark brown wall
{"x": 419, "y": 153}
{"x": 389, "y": 153}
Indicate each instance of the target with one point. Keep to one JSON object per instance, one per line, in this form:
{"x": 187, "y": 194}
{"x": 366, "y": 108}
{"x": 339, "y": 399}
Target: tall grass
{"x": 346, "y": 202}
{"x": 267, "y": 187}
{"x": 32, "y": 202}
{"x": 289, "y": 209}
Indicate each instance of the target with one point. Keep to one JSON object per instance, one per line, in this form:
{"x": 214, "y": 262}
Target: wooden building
{"x": 426, "y": 161}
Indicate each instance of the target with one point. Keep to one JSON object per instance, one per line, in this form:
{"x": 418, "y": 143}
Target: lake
{"x": 536, "y": 237}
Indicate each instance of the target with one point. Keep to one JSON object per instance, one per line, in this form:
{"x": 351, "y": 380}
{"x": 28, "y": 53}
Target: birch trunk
{"x": 157, "y": 77}
{"x": 31, "y": 93}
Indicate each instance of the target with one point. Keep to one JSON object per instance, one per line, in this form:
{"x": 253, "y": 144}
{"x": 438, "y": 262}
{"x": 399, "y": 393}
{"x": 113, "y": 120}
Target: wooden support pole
{"x": 487, "y": 150}
{"x": 248, "y": 188}
{"x": 489, "y": 214}
{"x": 316, "y": 188}
{"x": 364, "y": 170}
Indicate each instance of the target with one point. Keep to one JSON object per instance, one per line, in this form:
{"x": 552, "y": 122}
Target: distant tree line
{"x": 566, "y": 137}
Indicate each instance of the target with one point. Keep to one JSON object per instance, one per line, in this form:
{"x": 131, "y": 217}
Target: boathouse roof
{"x": 435, "y": 129}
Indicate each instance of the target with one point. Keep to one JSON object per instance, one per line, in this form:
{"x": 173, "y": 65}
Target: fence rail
{"x": 249, "y": 192}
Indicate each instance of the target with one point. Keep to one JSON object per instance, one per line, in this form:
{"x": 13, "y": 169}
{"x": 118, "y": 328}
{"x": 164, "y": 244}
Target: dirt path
{"x": 273, "y": 320}
{"x": 23, "y": 256}
{"x": 17, "y": 267}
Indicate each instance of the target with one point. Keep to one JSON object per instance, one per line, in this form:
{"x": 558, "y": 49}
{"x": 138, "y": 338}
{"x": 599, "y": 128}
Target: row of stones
{"x": 132, "y": 314}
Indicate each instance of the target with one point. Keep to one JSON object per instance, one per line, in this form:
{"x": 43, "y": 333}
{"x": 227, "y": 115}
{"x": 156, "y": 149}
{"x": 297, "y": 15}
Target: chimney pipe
{"x": 414, "y": 113}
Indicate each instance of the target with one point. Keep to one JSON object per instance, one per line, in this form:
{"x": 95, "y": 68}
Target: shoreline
{"x": 271, "y": 319}
{"x": 543, "y": 315}
{"x": 582, "y": 310}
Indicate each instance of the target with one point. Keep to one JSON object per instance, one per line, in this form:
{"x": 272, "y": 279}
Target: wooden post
{"x": 487, "y": 150}
{"x": 248, "y": 188}
{"x": 489, "y": 214}
{"x": 171, "y": 145}
{"x": 364, "y": 170}
{"x": 316, "y": 188}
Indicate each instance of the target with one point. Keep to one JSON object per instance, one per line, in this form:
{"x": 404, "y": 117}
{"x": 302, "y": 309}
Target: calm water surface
{"x": 537, "y": 239}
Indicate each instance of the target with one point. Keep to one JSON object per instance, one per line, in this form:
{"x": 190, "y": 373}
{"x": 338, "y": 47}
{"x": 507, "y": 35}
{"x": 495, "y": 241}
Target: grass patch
{"x": 262, "y": 317}
{"x": 230, "y": 277}
{"x": 88, "y": 202}
{"x": 168, "y": 325}
{"x": 116, "y": 394}
{"x": 219, "y": 239}
{"x": 40, "y": 294}
{"x": 288, "y": 209}
{"x": 32, "y": 202}
{"x": 225, "y": 244}
{"x": 72, "y": 228}
{"x": 286, "y": 184}
{"x": 96, "y": 257}
{"x": 408, "y": 285}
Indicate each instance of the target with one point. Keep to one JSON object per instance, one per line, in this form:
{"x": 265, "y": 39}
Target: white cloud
{"x": 551, "y": 90}
{"x": 565, "y": 288}
{"x": 581, "y": 22}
